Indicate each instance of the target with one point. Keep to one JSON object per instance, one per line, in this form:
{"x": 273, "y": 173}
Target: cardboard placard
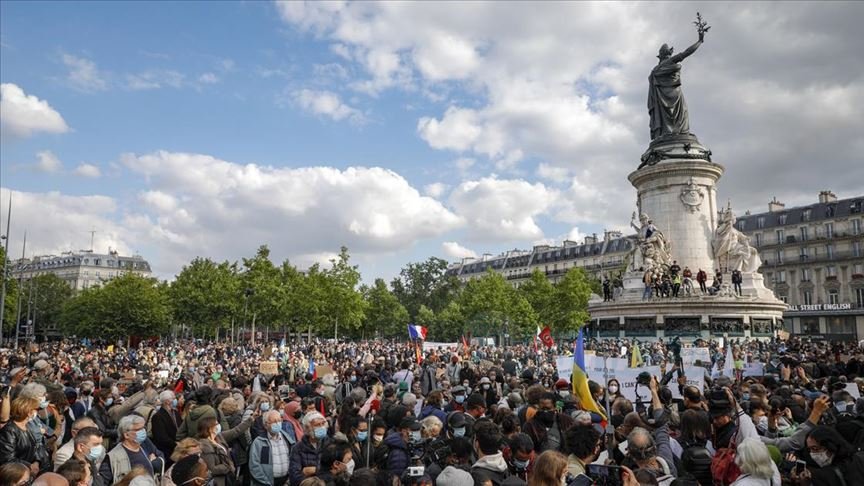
{"x": 695, "y": 377}
{"x": 627, "y": 379}
{"x": 754, "y": 369}
{"x": 324, "y": 370}
{"x": 269, "y": 368}
{"x": 691, "y": 355}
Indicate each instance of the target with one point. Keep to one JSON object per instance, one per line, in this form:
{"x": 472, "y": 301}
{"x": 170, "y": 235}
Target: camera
{"x": 644, "y": 378}
{"x": 415, "y": 471}
{"x": 604, "y": 475}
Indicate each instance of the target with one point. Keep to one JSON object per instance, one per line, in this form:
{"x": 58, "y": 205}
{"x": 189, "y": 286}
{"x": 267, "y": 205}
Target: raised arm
{"x": 686, "y": 52}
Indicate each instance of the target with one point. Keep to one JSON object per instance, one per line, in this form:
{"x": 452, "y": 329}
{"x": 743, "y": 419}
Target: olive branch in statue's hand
{"x": 701, "y": 26}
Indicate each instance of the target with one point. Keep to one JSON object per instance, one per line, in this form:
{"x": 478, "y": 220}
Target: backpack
{"x": 696, "y": 460}
{"x": 723, "y": 467}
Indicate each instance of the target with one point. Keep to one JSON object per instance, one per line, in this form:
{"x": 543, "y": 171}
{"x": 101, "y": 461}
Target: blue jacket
{"x": 399, "y": 456}
{"x": 260, "y": 462}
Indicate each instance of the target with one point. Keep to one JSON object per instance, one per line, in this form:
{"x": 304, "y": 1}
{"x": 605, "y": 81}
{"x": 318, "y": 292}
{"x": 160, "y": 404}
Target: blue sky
{"x": 402, "y": 130}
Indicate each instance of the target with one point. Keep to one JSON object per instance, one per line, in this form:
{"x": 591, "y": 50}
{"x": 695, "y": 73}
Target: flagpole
{"x": 610, "y": 430}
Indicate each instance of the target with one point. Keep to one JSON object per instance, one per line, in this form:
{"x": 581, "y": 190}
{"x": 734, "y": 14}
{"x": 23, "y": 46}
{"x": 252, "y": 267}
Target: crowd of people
{"x": 387, "y": 413}
{"x": 676, "y": 282}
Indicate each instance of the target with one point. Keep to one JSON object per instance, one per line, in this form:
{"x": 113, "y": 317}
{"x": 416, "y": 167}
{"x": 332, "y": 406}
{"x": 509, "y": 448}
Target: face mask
{"x": 275, "y": 428}
{"x": 174, "y": 403}
{"x": 821, "y": 458}
{"x": 485, "y": 387}
{"x": 109, "y": 402}
{"x": 841, "y": 407}
{"x": 460, "y": 398}
{"x": 320, "y": 432}
{"x": 362, "y": 435}
{"x": 745, "y": 397}
{"x": 218, "y": 429}
{"x": 459, "y": 432}
{"x": 564, "y": 393}
{"x": 141, "y": 436}
{"x": 43, "y": 404}
{"x": 613, "y": 389}
{"x": 465, "y": 384}
{"x": 520, "y": 465}
{"x": 377, "y": 438}
{"x": 353, "y": 379}
{"x": 265, "y": 406}
{"x": 349, "y": 467}
{"x": 546, "y": 417}
{"x": 95, "y": 452}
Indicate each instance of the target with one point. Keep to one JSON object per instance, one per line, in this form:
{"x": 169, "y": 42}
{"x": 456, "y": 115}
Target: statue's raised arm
{"x": 701, "y": 28}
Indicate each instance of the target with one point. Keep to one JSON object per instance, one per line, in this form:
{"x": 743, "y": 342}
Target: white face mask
{"x": 821, "y": 458}
{"x": 613, "y": 389}
{"x": 349, "y": 467}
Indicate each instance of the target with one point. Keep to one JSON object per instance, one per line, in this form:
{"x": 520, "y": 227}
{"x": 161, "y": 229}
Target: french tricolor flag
{"x": 416, "y": 332}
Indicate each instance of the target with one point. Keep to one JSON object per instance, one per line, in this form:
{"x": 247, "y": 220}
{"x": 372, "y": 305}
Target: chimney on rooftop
{"x": 774, "y": 205}
{"x": 827, "y": 197}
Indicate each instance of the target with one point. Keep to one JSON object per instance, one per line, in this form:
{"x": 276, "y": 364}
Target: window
{"x": 831, "y": 271}
{"x": 856, "y": 226}
{"x": 805, "y": 216}
{"x": 829, "y": 230}
{"x": 780, "y": 235}
{"x": 841, "y": 324}
{"x": 833, "y": 297}
{"x": 807, "y": 297}
{"x": 758, "y": 239}
{"x": 810, "y": 325}
{"x": 859, "y": 297}
{"x": 858, "y": 269}
{"x": 781, "y": 219}
{"x": 830, "y": 211}
{"x": 781, "y": 276}
{"x": 829, "y": 251}
{"x": 805, "y": 254}
{"x": 784, "y": 298}
{"x": 805, "y": 274}
{"x": 741, "y": 225}
{"x": 856, "y": 248}
{"x": 760, "y": 222}
{"x": 779, "y": 255}
{"x": 804, "y": 233}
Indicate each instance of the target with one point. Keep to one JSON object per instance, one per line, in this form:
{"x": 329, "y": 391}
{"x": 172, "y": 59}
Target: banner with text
{"x": 627, "y": 378}
{"x": 695, "y": 377}
{"x": 691, "y": 355}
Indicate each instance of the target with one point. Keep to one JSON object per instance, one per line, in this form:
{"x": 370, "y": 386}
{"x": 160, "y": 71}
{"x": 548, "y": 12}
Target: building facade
{"x": 82, "y": 269}
{"x": 598, "y": 257}
{"x": 813, "y": 257}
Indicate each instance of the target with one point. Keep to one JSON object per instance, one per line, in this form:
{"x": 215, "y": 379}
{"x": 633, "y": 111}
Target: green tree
{"x": 266, "y": 294}
{"x": 571, "y": 300}
{"x": 540, "y": 294}
{"x": 344, "y": 303}
{"x": 425, "y": 283}
{"x": 384, "y": 316}
{"x": 129, "y": 305}
{"x": 11, "y": 303}
{"x": 449, "y": 324}
{"x": 50, "y": 294}
{"x": 206, "y": 295}
{"x": 490, "y": 305}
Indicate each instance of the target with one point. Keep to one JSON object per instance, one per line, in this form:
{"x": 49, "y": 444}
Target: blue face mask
{"x": 520, "y": 465}
{"x": 43, "y": 404}
{"x": 95, "y": 452}
{"x": 174, "y": 403}
{"x": 109, "y": 401}
{"x": 459, "y": 432}
{"x": 353, "y": 379}
{"x": 265, "y": 406}
{"x": 362, "y": 435}
{"x": 275, "y": 428}
{"x": 141, "y": 436}
{"x": 320, "y": 432}
{"x": 459, "y": 398}
{"x": 745, "y": 397}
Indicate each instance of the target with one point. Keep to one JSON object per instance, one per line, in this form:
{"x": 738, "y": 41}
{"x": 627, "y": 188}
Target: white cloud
{"x": 498, "y": 209}
{"x": 326, "y": 103}
{"x": 192, "y": 199}
{"x": 458, "y": 130}
{"x": 454, "y": 250}
{"x": 208, "y": 78}
{"x": 88, "y": 170}
{"x": 155, "y": 79}
{"x": 23, "y": 115}
{"x": 464, "y": 163}
{"x": 56, "y": 222}
{"x": 83, "y": 74}
{"x": 436, "y": 189}
{"x": 47, "y": 162}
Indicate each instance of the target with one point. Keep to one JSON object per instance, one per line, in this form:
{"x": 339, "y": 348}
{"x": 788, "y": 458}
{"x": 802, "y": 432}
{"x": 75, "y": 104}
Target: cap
{"x": 456, "y": 420}
{"x": 15, "y": 371}
{"x": 40, "y": 365}
{"x": 457, "y": 389}
{"x": 409, "y": 422}
{"x": 562, "y": 384}
{"x": 485, "y": 380}
{"x": 476, "y": 400}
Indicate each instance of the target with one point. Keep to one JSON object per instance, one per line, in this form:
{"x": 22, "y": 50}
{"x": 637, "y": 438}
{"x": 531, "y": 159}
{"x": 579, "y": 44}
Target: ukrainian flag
{"x": 580, "y": 379}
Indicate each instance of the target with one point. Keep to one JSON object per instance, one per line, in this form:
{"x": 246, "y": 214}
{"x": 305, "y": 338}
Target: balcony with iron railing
{"x": 836, "y": 256}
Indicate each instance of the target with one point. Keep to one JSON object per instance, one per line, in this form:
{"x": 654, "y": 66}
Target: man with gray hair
{"x": 133, "y": 450}
{"x": 653, "y": 451}
{"x": 164, "y": 423}
{"x": 270, "y": 454}
{"x": 306, "y": 455}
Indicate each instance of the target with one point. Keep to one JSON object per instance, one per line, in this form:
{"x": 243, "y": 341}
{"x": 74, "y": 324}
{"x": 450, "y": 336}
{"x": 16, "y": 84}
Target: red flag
{"x": 546, "y": 337}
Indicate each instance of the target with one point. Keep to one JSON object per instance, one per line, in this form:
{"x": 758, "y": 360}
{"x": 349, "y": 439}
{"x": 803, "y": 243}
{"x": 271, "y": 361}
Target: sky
{"x": 402, "y": 130}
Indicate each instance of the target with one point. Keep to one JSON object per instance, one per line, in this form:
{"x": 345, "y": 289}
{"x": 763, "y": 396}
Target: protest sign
{"x": 695, "y": 377}
{"x": 565, "y": 366}
{"x": 324, "y": 370}
{"x": 754, "y": 369}
{"x": 268, "y": 368}
{"x": 433, "y": 345}
{"x": 691, "y": 355}
{"x": 627, "y": 379}
{"x": 596, "y": 367}
{"x": 852, "y": 389}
